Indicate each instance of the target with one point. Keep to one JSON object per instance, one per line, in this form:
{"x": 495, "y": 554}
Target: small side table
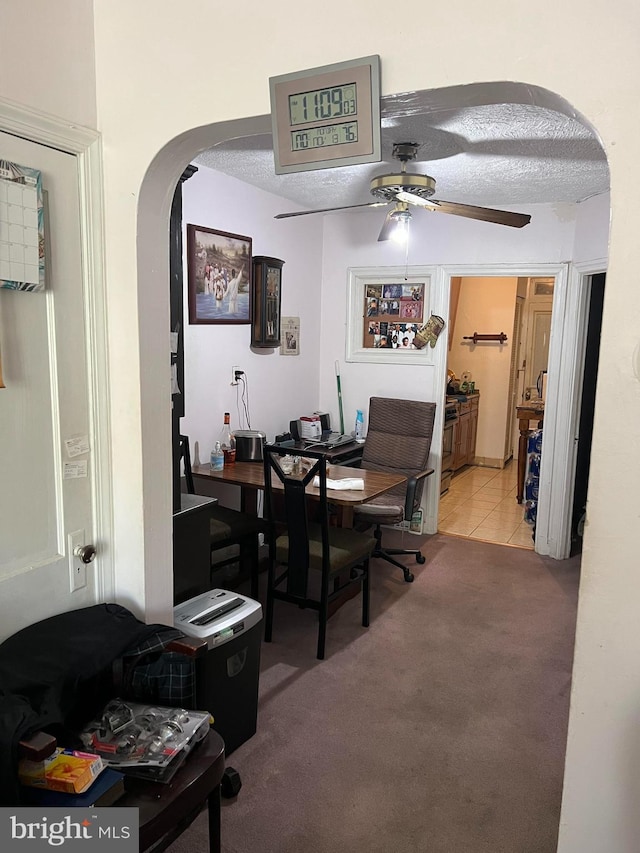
{"x": 166, "y": 810}
{"x": 526, "y": 414}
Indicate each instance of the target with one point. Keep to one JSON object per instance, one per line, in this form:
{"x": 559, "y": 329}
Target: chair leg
{"x": 365, "y": 595}
{"x": 254, "y": 557}
{"x": 268, "y": 621}
{"x": 420, "y": 558}
{"x": 384, "y": 554}
{"x": 406, "y": 571}
{"x": 323, "y": 616}
{"x": 249, "y": 562}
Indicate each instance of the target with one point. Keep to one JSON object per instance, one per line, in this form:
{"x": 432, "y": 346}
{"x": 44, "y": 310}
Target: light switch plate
{"x": 77, "y": 569}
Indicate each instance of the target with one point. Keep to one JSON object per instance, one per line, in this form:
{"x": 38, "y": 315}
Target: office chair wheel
{"x": 420, "y": 558}
{"x": 408, "y": 576}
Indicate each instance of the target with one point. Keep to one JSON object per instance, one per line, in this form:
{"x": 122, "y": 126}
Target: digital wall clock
{"x": 327, "y": 116}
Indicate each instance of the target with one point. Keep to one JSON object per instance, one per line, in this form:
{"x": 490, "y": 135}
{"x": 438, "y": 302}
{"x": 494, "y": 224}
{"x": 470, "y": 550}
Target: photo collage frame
{"x": 393, "y": 313}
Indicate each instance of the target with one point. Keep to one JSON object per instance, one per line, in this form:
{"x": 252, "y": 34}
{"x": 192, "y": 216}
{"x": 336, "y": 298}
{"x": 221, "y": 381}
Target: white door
{"x": 46, "y": 439}
{"x": 539, "y": 313}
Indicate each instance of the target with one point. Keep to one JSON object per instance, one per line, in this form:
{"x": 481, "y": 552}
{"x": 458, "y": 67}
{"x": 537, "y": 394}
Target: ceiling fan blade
{"x": 331, "y": 209}
{"x": 485, "y": 214}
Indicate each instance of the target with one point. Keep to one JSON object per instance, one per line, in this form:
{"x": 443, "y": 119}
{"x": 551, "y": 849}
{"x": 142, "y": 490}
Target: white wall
{"x": 280, "y": 388}
{"x": 47, "y": 59}
{"x": 591, "y": 241}
{"x": 486, "y": 305}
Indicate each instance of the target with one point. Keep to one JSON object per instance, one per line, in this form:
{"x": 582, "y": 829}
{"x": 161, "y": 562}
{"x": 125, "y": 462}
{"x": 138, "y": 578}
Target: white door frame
{"x": 564, "y": 390}
{"x": 84, "y": 144}
{"x": 558, "y": 414}
{"x": 439, "y": 300}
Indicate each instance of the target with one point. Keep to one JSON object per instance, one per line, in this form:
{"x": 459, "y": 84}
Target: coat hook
{"x": 475, "y": 337}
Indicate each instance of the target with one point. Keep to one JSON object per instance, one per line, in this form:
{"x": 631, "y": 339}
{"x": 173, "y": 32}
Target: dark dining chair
{"x": 310, "y": 562}
{"x": 228, "y": 528}
{"x": 398, "y": 441}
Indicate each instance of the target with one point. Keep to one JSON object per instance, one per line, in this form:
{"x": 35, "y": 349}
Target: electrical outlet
{"x": 235, "y": 367}
{"x": 77, "y": 569}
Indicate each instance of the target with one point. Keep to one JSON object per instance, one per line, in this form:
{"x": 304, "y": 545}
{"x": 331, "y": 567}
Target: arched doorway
{"x": 152, "y": 217}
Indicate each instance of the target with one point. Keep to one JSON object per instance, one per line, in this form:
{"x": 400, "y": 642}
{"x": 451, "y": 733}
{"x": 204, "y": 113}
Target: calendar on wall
{"x": 22, "y": 260}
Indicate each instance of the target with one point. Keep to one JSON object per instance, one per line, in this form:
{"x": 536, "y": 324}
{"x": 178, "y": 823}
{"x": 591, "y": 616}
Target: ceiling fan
{"x": 404, "y": 189}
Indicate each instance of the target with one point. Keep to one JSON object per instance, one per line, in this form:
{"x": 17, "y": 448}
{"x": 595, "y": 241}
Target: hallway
{"x": 481, "y": 504}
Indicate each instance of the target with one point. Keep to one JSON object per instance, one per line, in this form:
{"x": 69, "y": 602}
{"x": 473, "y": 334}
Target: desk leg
{"x": 213, "y": 801}
{"x": 345, "y": 519}
{"x": 522, "y": 456}
{"x": 249, "y": 501}
{"x": 346, "y": 516}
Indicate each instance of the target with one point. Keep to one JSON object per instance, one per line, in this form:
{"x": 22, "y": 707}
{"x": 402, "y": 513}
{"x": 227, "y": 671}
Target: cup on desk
{"x": 286, "y": 463}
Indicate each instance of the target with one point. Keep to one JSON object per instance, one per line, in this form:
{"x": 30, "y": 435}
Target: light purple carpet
{"x": 441, "y": 728}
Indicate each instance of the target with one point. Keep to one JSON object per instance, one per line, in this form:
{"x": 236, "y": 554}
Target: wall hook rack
{"x": 475, "y": 337}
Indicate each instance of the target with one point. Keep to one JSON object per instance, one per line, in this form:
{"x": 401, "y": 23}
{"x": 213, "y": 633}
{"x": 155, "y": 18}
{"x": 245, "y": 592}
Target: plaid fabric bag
{"x": 149, "y": 673}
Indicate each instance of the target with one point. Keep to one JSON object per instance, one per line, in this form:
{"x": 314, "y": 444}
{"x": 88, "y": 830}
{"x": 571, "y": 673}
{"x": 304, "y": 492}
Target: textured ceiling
{"x": 497, "y": 154}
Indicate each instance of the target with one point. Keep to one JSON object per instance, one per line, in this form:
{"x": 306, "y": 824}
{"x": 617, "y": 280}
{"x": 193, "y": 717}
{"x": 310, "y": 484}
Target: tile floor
{"x": 481, "y": 504}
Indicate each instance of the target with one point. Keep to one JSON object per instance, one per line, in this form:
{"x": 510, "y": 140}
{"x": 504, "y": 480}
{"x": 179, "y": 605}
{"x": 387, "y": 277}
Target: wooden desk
{"x": 250, "y": 477}
{"x": 526, "y": 414}
{"x": 166, "y": 810}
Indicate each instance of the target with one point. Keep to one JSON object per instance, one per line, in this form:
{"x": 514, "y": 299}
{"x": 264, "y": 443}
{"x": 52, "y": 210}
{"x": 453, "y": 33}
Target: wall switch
{"x": 77, "y": 569}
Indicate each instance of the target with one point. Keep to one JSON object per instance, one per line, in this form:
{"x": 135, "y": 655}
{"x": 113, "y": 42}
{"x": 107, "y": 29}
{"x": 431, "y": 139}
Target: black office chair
{"x": 338, "y": 556}
{"x": 229, "y": 527}
{"x": 399, "y": 441}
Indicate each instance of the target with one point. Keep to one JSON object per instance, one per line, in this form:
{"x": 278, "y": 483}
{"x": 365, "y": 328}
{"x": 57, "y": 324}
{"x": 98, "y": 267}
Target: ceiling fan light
{"x": 401, "y": 220}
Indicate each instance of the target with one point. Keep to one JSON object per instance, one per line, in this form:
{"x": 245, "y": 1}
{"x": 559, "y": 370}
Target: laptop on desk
{"x": 329, "y": 440}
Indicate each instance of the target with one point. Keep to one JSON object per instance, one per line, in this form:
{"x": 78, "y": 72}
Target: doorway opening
{"x": 496, "y": 391}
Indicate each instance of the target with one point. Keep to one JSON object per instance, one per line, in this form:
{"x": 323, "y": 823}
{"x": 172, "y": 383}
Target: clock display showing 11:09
{"x": 320, "y": 104}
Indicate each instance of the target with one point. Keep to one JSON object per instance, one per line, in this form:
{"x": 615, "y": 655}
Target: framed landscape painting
{"x": 219, "y": 270}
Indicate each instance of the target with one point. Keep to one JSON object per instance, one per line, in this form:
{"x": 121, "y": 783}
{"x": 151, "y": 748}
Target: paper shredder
{"x": 228, "y": 674}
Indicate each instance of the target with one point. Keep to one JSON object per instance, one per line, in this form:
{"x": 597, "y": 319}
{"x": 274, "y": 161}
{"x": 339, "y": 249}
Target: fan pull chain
{"x": 406, "y": 260}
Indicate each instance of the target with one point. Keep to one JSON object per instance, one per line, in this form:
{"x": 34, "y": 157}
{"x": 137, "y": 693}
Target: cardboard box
{"x": 66, "y": 770}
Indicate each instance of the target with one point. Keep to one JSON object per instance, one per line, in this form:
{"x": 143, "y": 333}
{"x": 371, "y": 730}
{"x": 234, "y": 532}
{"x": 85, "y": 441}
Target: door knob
{"x": 86, "y": 553}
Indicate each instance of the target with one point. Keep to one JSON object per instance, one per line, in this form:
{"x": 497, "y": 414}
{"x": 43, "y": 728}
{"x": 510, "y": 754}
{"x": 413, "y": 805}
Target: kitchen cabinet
{"x": 465, "y": 432}
{"x": 461, "y": 440}
{"x": 473, "y": 430}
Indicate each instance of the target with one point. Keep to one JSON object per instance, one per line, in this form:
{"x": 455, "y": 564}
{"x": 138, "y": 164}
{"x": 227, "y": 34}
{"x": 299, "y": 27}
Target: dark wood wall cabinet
{"x": 265, "y": 310}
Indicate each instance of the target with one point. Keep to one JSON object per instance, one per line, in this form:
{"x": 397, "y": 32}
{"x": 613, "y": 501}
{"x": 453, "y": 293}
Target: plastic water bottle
{"x": 217, "y": 458}
{"x": 359, "y": 431}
